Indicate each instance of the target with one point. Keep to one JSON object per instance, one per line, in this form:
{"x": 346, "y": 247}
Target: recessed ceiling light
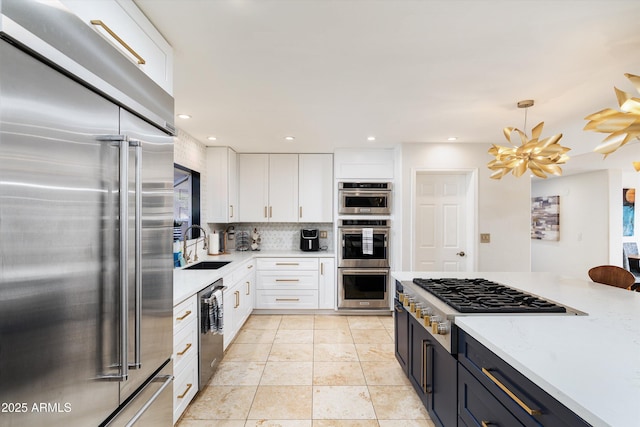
{"x": 184, "y": 116}
{"x": 212, "y": 138}
{"x": 289, "y": 138}
{"x": 452, "y": 138}
{"x": 371, "y": 138}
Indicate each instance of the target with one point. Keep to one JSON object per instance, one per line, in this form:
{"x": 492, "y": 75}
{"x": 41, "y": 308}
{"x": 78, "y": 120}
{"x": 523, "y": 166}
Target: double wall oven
{"x": 363, "y": 263}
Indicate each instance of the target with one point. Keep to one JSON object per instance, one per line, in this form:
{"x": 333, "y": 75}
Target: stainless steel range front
{"x": 438, "y": 301}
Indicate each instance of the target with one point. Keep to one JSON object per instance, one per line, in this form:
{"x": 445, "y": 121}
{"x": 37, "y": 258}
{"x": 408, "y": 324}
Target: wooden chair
{"x": 613, "y": 276}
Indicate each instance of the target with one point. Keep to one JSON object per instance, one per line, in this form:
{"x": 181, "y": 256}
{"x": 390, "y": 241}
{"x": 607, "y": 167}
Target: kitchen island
{"x": 589, "y": 363}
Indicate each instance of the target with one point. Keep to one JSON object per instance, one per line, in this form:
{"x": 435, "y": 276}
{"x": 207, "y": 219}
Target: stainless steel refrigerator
{"x": 86, "y": 173}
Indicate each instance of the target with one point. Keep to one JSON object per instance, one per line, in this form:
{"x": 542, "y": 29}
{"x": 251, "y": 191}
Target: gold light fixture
{"x": 541, "y": 157}
{"x": 622, "y": 125}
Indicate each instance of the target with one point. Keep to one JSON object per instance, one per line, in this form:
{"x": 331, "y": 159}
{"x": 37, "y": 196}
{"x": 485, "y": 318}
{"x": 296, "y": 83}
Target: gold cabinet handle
{"x": 510, "y": 393}
{"x": 322, "y": 268}
{"x": 98, "y": 22}
{"x": 287, "y": 263}
{"x": 188, "y": 346}
{"x": 287, "y": 299}
{"x": 265, "y": 212}
{"x": 248, "y": 288}
{"x": 186, "y": 391}
{"x": 423, "y": 366}
{"x": 188, "y": 312}
{"x": 231, "y": 214}
{"x": 249, "y": 267}
{"x": 270, "y": 211}
{"x": 287, "y": 280}
{"x": 300, "y": 211}
{"x": 237, "y": 294}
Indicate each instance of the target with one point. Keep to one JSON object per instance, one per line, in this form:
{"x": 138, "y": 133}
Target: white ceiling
{"x": 333, "y": 72}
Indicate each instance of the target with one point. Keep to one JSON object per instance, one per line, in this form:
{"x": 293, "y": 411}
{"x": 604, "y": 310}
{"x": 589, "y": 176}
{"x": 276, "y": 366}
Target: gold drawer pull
{"x": 287, "y": 299}
{"x": 287, "y": 263}
{"x": 140, "y": 59}
{"x": 287, "y": 280}
{"x": 185, "y": 315}
{"x": 510, "y": 393}
{"x": 249, "y": 267}
{"x": 186, "y": 391}
{"x": 180, "y": 353}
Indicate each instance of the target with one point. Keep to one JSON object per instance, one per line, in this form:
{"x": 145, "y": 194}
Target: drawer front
{"x": 286, "y": 299}
{"x": 242, "y": 271}
{"x": 290, "y": 264}
{"x": 185, "y": 312}
{"x": 531, "y": 404}
{"x": 185, "y": 386}
{"x": 479, "y": 407}
{"x": 185, "y": 346}
{"x": 284, "y": 280}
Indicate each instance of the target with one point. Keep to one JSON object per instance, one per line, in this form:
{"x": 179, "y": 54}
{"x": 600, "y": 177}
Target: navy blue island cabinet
{"x": 431, "y": 369}
{"x": 491, "y": 392}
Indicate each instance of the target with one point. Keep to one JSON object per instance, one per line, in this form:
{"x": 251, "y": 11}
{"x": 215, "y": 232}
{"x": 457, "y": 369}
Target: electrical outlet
{"x": 323, "y": 234}
{"x": 485, "y": 238}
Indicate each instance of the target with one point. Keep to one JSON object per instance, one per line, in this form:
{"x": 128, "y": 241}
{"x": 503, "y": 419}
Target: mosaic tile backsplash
{"x": 280, "y": 236}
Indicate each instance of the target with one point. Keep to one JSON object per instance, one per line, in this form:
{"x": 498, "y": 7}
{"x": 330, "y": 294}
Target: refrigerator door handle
{"x": 137, "y": 145}
{"x": 122, "y": 141}
{"x": 124, "y": 258}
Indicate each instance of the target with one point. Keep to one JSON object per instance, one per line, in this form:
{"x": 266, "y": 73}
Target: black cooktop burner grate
{"x": 485, "y": 296}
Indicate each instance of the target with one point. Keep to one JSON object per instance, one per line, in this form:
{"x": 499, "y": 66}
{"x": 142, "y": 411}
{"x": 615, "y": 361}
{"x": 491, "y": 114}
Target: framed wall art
{"x": 545, "y": 218}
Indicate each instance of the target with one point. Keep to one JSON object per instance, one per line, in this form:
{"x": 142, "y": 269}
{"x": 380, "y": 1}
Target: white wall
{"x": 503, "y": 205}
{"x": 590, "y": 223}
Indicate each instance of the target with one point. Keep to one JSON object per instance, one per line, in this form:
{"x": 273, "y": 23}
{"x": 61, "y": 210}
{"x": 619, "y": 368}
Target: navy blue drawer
{"x": 531, "y": 405}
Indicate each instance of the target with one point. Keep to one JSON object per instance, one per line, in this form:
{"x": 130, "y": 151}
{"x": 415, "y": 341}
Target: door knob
{"x": 461, "y": 253}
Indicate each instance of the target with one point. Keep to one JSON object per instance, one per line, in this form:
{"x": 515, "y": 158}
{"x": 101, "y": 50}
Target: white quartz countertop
{"x": 189, "y": 282}
{"x": 589, "y": 363}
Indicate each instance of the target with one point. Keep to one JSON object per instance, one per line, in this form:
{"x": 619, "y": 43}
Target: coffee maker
{"x": 309, "y": 239}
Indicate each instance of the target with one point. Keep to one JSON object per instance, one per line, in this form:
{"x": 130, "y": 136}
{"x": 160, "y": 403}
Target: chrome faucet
{"x": 187, "y": 258}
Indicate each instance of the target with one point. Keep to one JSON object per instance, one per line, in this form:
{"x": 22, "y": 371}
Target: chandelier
{"x": 623, "y": 125}
{"x": 541, "y": 157}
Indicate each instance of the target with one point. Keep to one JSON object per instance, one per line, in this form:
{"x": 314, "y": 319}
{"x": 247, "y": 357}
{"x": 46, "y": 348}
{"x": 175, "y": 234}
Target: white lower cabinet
{"x": 185, "y": 355}
{"x": 327, "y": 292}
{"x": 238, "y": 299}
{"x": 287, "y": 283}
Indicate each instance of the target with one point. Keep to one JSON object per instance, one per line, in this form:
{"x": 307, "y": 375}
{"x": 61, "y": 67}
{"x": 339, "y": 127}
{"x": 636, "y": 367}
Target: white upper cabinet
{"x": 253, "y": 187}
{"x": 374, "y": 163}
{"x": 283, "y": 187}
{"x": 315, "y": 188}
{"x": 128, "y": 29}
{"x": 222, "y": 185}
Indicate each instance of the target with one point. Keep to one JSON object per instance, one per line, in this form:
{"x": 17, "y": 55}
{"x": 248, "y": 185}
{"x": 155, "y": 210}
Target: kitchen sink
{"x": 207, "y": 265}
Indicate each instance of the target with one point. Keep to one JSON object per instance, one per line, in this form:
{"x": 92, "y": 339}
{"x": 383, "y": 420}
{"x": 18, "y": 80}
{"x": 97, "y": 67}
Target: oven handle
{"x": 363, "y": 271}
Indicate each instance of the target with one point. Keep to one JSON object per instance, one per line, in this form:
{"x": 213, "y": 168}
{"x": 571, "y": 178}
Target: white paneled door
{"x": 440, "y": 217}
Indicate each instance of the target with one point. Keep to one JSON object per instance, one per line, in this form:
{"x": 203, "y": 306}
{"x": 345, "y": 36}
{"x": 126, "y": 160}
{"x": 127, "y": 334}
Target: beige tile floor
{"x": 309, "y": 371}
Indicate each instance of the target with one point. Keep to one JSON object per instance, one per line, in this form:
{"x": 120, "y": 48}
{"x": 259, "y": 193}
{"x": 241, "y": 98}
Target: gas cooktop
{"x": 484, "y": 296}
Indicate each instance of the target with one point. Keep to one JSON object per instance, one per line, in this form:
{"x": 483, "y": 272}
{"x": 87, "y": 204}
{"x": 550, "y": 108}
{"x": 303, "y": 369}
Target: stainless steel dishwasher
{"x": 210, "y": 339}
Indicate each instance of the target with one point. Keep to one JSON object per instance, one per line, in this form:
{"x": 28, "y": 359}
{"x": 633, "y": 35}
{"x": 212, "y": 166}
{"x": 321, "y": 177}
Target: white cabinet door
{"x": 222, "y": 186}
{"x": 327, "y": 284}
{"x": 315, "y": 188}
{"x": 283, "y": 187}
{"x": 253, "y": 194}
{"x": 232, "y": 186}
{"x": 122, "y": 17}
